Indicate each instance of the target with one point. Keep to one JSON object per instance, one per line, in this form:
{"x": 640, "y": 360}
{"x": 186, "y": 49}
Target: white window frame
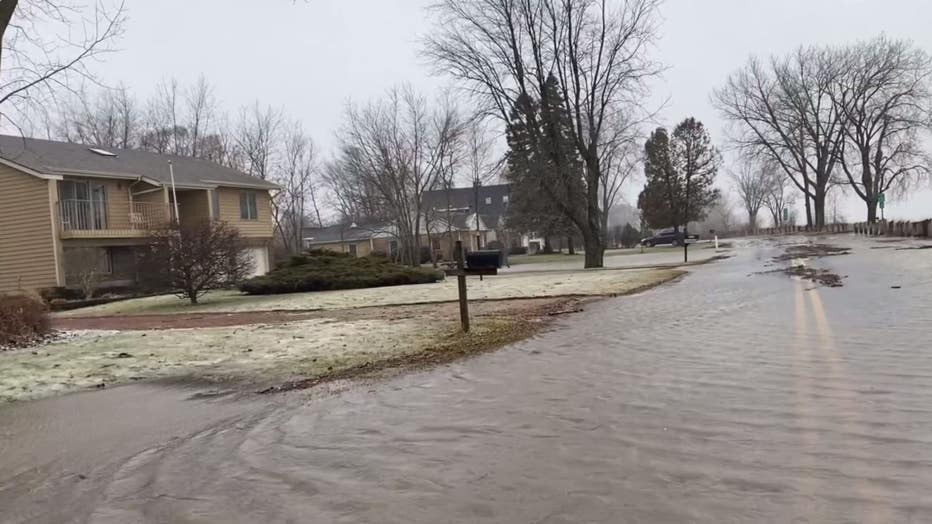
{"x": 251, "y": 202}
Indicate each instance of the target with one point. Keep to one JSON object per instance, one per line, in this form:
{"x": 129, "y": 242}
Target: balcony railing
{"x": 88, "y": 218}
{"x": 83, "y": 215}
{"x": 144, "y": 216}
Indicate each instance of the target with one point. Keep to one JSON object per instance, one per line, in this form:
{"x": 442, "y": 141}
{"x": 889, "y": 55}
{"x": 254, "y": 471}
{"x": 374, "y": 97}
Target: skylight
{"x": 101, "y": 152}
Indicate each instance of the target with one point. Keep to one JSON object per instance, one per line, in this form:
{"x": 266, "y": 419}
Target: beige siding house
{"x": 364, "y": 239}
{"x": 60, "y": 201}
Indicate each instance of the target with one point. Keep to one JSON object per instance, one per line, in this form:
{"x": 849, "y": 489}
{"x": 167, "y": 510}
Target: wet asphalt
{"x": 738, "y": 394}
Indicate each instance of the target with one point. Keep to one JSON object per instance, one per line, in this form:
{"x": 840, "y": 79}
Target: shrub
{"x": 61, "y": 293}
{"x": 23, "y": 318}
{"x": 192, "y": 259}
{"x": 325, "y": 270}
{"x": 424, "y": 255}
{"x": 517, "y": 250}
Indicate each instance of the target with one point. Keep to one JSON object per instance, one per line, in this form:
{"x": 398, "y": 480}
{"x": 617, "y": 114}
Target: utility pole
{"x": 475, "y": 184}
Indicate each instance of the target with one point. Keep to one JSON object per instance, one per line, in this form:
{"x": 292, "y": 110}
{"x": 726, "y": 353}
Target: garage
{"x": 260, "y": 260}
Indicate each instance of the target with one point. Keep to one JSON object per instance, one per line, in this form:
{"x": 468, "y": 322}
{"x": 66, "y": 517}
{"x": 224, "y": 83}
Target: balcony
{"x": 99, "y": 219}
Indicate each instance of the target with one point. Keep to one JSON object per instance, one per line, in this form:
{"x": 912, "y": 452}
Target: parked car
{"x": 667, "y": 237}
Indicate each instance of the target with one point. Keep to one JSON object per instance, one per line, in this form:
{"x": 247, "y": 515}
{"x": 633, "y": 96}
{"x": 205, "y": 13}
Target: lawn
{"x": 519, "y": 260}
{"x": 517, "y": 285}
{"x": 337, "y": 341}
{"x": 282, "y": 351}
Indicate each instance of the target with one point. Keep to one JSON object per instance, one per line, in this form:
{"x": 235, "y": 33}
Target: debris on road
{"x": 819, "y": 276}
{"x": 811, "y": 251}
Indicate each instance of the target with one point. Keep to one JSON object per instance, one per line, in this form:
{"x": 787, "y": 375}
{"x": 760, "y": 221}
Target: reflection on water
{"x": 727, "y": 397}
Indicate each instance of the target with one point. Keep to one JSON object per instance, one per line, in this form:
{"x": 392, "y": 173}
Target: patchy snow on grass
{"x": 517, "y": 285}
{"x": 306, "y": 348}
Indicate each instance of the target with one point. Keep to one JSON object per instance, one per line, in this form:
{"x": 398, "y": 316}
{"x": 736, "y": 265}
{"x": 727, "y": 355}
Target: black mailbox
{"x": 484, "y": 259}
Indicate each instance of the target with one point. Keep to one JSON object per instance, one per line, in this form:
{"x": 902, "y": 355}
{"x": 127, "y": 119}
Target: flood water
{"x": 726, "y": 397}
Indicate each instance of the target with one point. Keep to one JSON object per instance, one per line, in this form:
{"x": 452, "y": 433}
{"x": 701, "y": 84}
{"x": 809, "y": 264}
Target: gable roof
{"x": 48, "y": 157}
{"x": 464, "y": 199}
{"x": 346, "y": 233}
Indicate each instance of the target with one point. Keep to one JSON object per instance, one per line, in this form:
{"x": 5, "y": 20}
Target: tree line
{"x": 825, "y": 117}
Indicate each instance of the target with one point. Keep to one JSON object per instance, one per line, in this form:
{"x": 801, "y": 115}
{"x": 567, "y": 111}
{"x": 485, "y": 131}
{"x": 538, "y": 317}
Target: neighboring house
{"x": 491, "y": 203}
{"x": 357, "y": 240}
{"x": 57, "y": 197}
{"x": 363, "y": 239}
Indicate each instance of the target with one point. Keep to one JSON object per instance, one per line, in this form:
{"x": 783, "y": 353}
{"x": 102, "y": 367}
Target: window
{"x": 352, "y": 249}
{"x": 247, "y": 206}
{"x": 83, "y": 205}
{"x": 504, "y": 199}
{"x": 488, "y": 201}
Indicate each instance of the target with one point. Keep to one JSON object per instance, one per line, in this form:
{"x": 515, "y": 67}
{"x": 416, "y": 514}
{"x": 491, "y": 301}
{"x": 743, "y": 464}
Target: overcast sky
{"x": 310, "y": 58}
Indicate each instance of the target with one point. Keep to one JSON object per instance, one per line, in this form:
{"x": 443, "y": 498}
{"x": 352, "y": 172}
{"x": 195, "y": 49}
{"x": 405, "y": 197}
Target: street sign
{"x": 690, "y": 240}
{"x": 786, "y": 214}
{"x": 882, "y": 200}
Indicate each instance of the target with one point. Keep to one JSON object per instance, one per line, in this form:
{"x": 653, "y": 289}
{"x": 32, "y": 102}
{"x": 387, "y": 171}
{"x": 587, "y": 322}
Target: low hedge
{"x": 325, "y": 270}
{"x": 23, "y": 319}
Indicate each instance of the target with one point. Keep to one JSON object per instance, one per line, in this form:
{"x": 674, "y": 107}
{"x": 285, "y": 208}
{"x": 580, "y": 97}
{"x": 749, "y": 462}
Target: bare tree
{"x": 778, "y": 197}
{"x": 885, "y": 97}
{"x": 201, "y": 105}
{"x": 195, "y": 258}
{"x": 481, "y": 166}
{"x": 784, "y": 110}
{"x": 394, "y": 148}
{"x": 505, "y": 51}
{"x": 46, "y": 47}
{"x": 353, "y": 197}
{"x": 752, "y": 183}
{"x": 620, "y": 159}
{"x": 83, "y": 268}
{"x": 257, "y": 136}
{"x": 108, "y": 119}
{"x": 295, "y": 175}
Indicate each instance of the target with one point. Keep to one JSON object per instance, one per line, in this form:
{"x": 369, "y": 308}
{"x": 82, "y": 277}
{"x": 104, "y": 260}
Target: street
{"x": 737, "y": 394}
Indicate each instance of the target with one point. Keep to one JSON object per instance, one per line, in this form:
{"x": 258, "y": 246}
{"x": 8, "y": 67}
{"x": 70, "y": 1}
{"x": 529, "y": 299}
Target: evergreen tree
{"x": 680, "y": 172}
{"x": 543, "y": 167}
{"x": 630, "y": 236}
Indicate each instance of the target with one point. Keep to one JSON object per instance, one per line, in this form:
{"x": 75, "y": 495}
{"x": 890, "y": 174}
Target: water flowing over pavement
{"x": 730, "y": 396}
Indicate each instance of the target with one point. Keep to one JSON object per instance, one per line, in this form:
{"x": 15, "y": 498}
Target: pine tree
{"x": 543, "y": 167}
{"x": 680, "y": 171}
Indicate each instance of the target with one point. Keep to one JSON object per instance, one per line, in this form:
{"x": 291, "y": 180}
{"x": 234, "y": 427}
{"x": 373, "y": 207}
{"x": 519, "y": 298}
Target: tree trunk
{"x": 570, "y": 248}
{"x": 820, "y": 207}
{"x": 192, "y": 296}
{"x": 595, "y": 249}
{"x": 871, "y": 211}
{"x": 548, "y": 247}
{"x": 809, "y": 221}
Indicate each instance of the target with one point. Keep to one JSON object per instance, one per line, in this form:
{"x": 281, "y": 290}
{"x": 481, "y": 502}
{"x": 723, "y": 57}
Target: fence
{"x": 895, "y": 228}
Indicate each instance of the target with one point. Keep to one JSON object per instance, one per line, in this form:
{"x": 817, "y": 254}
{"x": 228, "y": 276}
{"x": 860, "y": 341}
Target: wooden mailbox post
{"x": 461, "y": 273}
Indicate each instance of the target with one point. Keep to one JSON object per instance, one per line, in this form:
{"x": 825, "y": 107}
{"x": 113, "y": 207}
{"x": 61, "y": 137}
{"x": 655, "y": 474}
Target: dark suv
{"x": 673, "y": 238}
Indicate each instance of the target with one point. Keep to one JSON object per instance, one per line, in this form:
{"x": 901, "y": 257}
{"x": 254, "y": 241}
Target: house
{"x": 490, "y": 202}
{"x": 381, "y": 237}
{"x": 357, "y": 240}
{"x": 57, "y": 197}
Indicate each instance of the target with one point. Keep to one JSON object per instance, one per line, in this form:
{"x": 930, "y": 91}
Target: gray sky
{"x": 311, "y": 57}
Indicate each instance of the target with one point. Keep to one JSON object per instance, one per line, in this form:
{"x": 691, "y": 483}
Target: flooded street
{"x": 729, "y": 396}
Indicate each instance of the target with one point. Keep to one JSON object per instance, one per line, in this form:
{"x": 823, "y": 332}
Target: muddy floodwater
{"x": 738, "y": 394}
